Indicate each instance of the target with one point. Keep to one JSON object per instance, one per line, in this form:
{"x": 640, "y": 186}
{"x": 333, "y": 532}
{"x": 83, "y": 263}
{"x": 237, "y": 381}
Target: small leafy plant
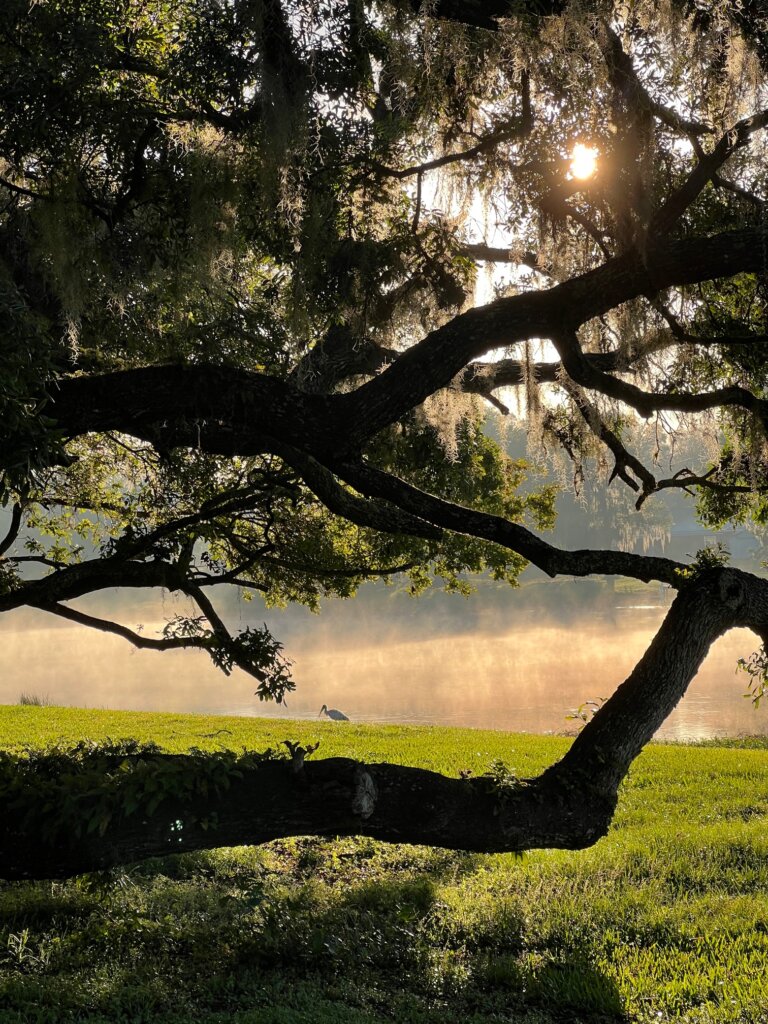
{"x": 756, "y": 667}
{"x": 584, "y": 712}
{"x": 713, "y": 556}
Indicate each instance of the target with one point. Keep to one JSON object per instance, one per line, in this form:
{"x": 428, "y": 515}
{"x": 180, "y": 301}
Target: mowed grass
{"x": 665, "y": 919}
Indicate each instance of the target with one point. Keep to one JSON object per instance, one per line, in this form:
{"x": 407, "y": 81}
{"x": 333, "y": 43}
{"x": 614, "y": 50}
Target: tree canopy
{"x": 270, "y": 269}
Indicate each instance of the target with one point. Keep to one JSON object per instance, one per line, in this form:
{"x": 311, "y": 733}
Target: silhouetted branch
{"x": 134, "y": 638}
{"x": 485, "y": 145}
{"x": 552, "y": 560}
{"x": 706, "y": 168}
{"x": 13, "y": 528}
{"x": 624, "y": 460}
{"x": 580, "y": 369}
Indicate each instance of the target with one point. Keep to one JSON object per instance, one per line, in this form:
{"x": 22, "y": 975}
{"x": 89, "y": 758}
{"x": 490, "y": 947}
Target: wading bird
{"x": 332, "y": 713}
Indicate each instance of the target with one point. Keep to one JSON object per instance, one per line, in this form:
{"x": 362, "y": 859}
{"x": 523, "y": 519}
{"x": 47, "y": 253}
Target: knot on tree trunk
{"x": 366, "y": 793}
{"x": 731, "y": 589}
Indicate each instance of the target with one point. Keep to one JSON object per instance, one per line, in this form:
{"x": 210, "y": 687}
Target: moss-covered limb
{"x": 556, "y": 313}
{"x": 232, "y": 411}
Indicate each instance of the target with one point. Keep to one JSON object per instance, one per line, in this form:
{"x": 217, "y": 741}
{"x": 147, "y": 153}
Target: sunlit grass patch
{"x": 435, "y": 747}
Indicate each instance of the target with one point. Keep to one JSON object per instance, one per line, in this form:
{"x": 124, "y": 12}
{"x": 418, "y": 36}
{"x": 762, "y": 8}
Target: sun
{"x": 583, "y": 161}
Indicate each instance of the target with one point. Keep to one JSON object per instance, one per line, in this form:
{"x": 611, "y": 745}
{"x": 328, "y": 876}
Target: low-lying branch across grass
{"x": 666, "y": 919}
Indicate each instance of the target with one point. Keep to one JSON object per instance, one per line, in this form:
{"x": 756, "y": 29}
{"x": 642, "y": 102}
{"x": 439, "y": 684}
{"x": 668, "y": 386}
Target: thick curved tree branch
{"x": 333, "y": 362}
{"x": 178, "y": 404}
{"x": 276, "y": 798}
{"x": 570, "y": 806}
{"x": 226, "y": 410}
{"x": 707, "y": 607}
{"x": 96, "y": 574}
{"x": 341, "y": 356}
{"x": 442, "y": 354}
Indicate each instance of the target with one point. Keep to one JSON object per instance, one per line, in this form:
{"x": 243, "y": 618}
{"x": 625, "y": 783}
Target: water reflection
{"x": 504, "y": 660}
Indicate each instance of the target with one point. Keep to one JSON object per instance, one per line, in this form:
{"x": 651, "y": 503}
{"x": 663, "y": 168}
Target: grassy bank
{"x": 666, "y": 919}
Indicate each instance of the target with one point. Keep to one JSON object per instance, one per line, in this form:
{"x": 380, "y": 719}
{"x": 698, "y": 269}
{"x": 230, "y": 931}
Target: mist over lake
{"x": 518, "y": 660}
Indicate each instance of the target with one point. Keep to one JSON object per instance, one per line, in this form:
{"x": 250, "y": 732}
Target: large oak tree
{"x": 239, "y": 248}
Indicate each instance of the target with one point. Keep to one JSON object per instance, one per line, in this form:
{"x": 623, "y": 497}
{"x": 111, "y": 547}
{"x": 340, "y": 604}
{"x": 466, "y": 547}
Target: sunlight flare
{"x": 583, "y": 161}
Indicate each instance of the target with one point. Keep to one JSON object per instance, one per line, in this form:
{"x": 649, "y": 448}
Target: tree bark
{"x": 707, "y": 607}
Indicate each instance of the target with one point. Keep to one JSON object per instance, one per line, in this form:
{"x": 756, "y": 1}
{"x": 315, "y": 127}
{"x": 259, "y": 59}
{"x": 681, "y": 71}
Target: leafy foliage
{"x": 713, "y": 556}
{"x": 58, "y": 792}
{"x": 278, "y": 202}
{"x": 756, "y": 667}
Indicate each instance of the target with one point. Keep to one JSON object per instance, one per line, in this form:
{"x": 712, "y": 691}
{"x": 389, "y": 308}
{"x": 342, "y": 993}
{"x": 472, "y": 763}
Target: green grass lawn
{"x": 666, "y": 919}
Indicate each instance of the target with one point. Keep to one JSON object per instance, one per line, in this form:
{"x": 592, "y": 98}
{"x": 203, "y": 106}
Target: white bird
{"x": 332, "y": 713}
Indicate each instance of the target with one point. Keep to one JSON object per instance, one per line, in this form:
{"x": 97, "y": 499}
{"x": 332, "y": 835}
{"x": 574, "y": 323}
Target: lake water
{"x": 513, "y": 660}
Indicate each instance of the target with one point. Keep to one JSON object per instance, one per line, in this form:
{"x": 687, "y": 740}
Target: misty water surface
{"x": 506, "y": 659}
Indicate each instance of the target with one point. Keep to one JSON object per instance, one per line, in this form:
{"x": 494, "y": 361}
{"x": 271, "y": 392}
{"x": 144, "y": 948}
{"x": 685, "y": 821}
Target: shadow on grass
{"x": 328, "y": 932}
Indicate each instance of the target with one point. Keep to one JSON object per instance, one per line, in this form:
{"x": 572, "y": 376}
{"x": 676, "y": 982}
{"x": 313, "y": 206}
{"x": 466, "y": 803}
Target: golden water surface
{"x": 524, "y": 676}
